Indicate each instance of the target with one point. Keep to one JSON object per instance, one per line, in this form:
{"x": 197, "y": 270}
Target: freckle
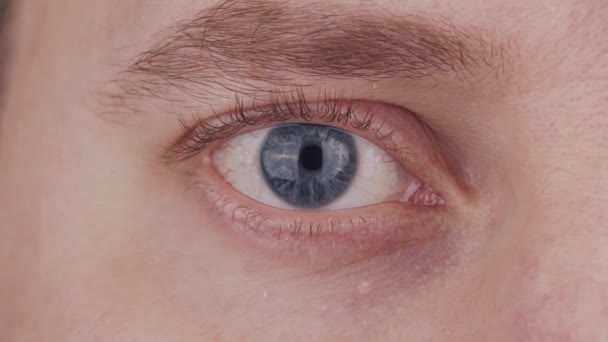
{"x": 364, "y": 288}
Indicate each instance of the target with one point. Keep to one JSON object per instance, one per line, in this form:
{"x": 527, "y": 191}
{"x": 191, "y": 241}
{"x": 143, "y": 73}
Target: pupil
{"x": 311, "y": 158}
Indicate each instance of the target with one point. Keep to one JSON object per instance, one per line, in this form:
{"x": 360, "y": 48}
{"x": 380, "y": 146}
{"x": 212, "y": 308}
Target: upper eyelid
{"x": 281, "y": 107}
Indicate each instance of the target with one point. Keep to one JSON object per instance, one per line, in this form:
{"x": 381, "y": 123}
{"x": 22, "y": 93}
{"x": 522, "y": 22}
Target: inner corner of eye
{"x": 309, "y": 166}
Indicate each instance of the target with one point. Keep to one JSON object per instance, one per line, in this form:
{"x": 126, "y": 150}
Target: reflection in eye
{"x": 309, "y": 166}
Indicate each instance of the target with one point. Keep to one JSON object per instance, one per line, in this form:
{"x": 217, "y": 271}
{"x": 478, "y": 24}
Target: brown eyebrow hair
{"x": 248, "y": 45}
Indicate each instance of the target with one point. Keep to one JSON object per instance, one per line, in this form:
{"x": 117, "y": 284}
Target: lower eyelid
{"x": 341, "y": 233}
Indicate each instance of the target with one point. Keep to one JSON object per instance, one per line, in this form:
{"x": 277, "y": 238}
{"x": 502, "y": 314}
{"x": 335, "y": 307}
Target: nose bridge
{"x": 555, "y": 257}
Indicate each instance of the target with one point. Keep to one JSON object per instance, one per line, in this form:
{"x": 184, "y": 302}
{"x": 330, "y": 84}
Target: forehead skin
{"x": 72, "y": 266}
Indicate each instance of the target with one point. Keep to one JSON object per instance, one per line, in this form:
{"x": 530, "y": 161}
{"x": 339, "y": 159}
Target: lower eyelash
{"x": 395, "y": 225}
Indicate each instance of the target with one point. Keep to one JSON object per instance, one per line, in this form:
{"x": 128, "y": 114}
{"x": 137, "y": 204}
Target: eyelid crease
{"x": 281, "y": 107}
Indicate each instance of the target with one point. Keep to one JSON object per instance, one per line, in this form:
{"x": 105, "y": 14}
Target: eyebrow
{"x": 247, "y": 45}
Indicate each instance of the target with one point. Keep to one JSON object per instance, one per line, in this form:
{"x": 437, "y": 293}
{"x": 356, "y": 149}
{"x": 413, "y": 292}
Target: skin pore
{"x": 117, "y": 225}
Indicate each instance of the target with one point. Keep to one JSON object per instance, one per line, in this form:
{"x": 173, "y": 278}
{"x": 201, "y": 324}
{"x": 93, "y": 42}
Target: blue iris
{"x": 308, "y": 166}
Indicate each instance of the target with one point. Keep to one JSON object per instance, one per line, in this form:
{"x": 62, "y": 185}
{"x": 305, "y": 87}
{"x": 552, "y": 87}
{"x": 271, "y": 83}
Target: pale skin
{"x": 101, "y": 240}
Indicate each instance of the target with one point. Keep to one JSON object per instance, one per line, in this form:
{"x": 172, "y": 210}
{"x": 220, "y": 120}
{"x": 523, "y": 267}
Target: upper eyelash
{"x": 199, "y": 133}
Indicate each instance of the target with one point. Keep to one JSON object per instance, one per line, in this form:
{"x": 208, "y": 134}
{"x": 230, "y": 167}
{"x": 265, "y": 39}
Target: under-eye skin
{"x": 333, "y": 174}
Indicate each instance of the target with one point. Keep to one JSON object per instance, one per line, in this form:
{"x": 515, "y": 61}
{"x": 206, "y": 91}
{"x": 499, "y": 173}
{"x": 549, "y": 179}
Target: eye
{"x": 327, "y": 175}
{"x": 310, "y": 166}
